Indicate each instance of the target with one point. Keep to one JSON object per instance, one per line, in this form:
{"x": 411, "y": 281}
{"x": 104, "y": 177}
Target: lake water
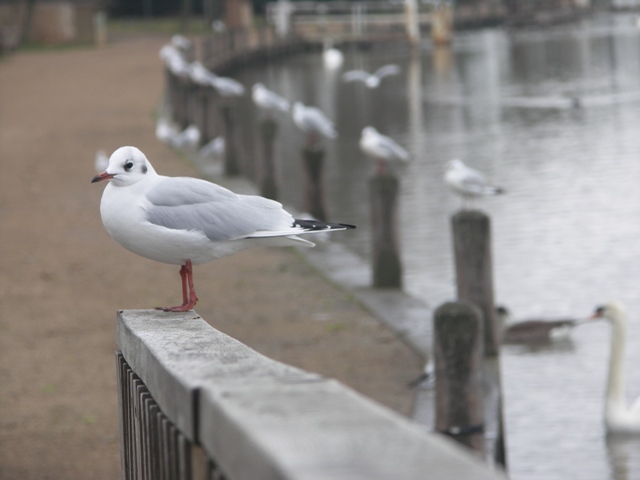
{"x": 565, "y": 237}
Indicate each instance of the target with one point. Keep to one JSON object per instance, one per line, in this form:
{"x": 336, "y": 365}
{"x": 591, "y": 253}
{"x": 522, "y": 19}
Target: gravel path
{"x": 62, "y": 278}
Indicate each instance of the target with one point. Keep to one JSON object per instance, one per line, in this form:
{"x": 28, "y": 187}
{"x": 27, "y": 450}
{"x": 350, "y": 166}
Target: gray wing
{"x": 387, "y": 70}
{"x": 391, "y": 148}
{"x": 355, "y": 75}
{"x": 196, "y": 205}
{"x": 474, "y": 181}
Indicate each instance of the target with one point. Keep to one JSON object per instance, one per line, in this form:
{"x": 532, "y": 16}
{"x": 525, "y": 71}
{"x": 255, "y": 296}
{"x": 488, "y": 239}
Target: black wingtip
{"x": 319, "y": 225}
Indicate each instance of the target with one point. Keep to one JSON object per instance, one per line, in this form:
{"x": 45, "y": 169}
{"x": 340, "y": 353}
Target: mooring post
{"x": 268, "y": 185}
{"x": 387, "y": 267}
{"x": 193, "y": 103}
{"x": 458, "y": 347}
{"x": 474, "y": 269}
{"x": 202, "y": 109}
{"x": 474, "y": 280}
{"x": 231, "y": 166}
{"x": 313, "y": 160}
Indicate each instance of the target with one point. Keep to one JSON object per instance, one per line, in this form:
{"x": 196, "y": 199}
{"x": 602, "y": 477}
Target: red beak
{"x": 103, "y": 176}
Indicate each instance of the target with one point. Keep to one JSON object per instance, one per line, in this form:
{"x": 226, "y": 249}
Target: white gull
{"x": 187, "y": 221}
{"x": 227, "y": 87}
{"x": 371, "y": 80}
{"x": 467, "y": 182}
{"x": 312, "y": 121}
{"x": 213, "y": 149}
{"x": 268, "y": 100}
{"x": 381, "y": 148}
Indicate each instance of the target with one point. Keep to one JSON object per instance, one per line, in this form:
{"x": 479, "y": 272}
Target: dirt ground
{"x": 62, "y": 277}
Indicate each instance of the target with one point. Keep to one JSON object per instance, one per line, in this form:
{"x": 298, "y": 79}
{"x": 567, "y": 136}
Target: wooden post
{"x": 474, "y": 271}
{"x": 387, "y": 268}
{"x": 313, "y": 159}
{"x": 458, "y": 357}
{"x": 181, "y": 114}
{"x": 474, "y": 280}
{"x": 268, "y": 130}
{"x": 231, "y": 166}
{"x": 442, "y": 25}
{"x": 193, "y": 103}
{"x": 202, "y": 119}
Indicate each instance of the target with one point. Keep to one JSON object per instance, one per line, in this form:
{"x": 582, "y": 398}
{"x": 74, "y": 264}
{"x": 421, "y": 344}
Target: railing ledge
{"x": 259, "y": 419}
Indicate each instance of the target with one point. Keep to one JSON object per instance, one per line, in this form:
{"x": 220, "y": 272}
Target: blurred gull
{"x": 213, "y": 149}
{"x": 268, "y": 100}
{"x": 188, "y": 139}
{"x": 165, "y": 130}
{"x": 467, "y": 182}
{"x": 332, "y": 58}
{"x": 312, "y": 121}
{"x": 227, "y": 87}
{"x": 371, "y": 80}
{"x": 101, "y": 161}
{"x": 182, "y": 43}
{"x": 381, "y": 148}
{"x": 187, "y": 221}
{"x": 200, "y": 74}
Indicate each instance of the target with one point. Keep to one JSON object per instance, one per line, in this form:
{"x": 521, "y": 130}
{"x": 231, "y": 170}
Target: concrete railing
{"x": 197, "y": 404}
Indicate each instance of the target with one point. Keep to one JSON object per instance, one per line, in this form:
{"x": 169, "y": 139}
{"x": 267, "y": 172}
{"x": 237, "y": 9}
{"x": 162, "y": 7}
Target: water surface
{"x": 553, "y": 115}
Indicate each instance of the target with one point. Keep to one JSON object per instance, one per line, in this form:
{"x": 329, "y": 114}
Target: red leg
{"x": 183, "y": 277}
{"x": 189, "y": 297}
{"x": 193, "y": 298}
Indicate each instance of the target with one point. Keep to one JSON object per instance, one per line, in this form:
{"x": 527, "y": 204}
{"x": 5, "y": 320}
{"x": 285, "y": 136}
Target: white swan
{"x": 618, "y": 417}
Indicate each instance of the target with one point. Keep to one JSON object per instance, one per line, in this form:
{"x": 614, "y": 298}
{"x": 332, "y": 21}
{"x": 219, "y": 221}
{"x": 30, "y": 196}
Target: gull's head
{"x": 454, "y": 164}
{"x": 127, "y": 165}
{"x": 369, "y": 131}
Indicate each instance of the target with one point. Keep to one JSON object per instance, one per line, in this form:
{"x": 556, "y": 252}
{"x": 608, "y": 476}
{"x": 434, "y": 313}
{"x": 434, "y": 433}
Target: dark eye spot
{"x": 128, "y": 166}
{"x": 144, "y": 169}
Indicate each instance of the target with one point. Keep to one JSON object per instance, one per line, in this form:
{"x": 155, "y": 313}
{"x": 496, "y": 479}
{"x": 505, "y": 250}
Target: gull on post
{"x": 467, "y": 182}
{"x": 381, "y": 148}
{"x": 227, "y": 87}
{"x": 268, "y": 100}
{"x": 187, "y": 221}
{"x": 200, "y": 74}
{"x": 214, "y": 149}
{"x": 313, "y": 122}
{"x": 188, "y": 139}
{"x": 371, "y": 80}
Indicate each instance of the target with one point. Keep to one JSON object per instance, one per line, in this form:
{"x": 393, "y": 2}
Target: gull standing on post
{"x": 313, "y": 122}
{"x": 371, "y": 80}
{"x": 227, "y": 87}
{"x": 187, "y": 221}
{"x": 381, "y": 148}
{"x": 467, "y": 182}
{"x": 267, "y": 100}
